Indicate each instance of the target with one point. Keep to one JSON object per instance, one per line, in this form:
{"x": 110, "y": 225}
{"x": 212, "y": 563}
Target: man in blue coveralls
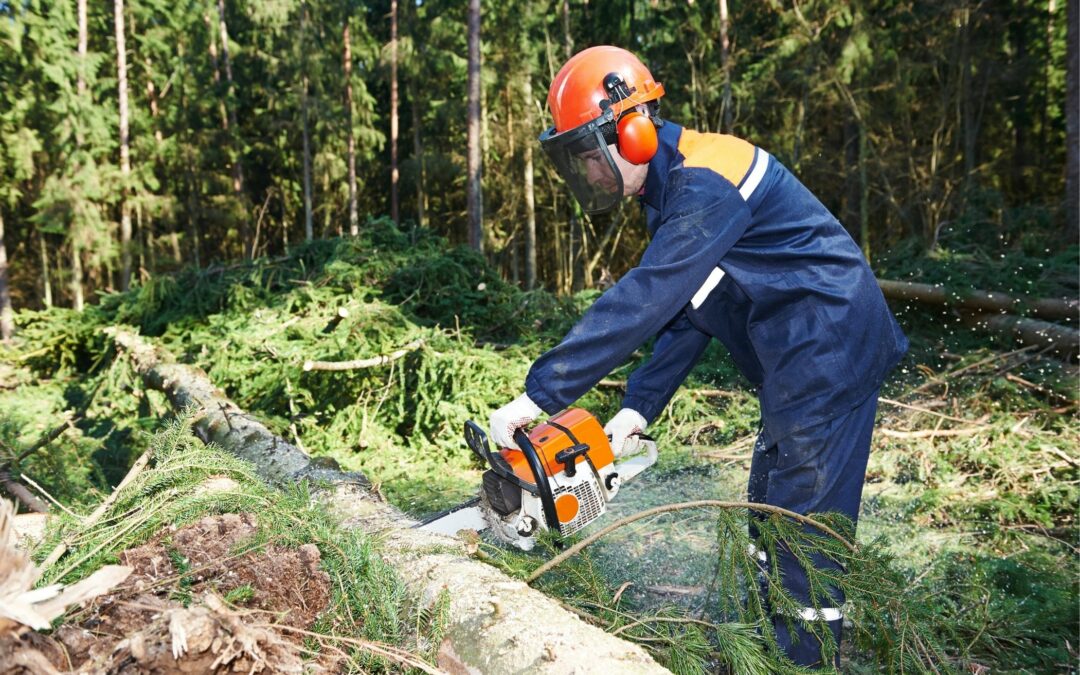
{"x": 740, "y": 251}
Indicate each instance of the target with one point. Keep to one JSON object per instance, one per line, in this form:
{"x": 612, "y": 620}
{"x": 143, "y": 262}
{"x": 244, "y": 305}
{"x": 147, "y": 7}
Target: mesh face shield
{"x": 581, "y": 157}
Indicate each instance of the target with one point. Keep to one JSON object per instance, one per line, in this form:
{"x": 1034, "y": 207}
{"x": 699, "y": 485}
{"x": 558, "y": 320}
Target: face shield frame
{"x": 581, "y": 156}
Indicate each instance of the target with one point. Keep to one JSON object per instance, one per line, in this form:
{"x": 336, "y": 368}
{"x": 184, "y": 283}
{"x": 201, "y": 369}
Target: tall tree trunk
{"x": 850, "y": 212}
{"x": 77, "y": 276}
{"x": 576, "y": 234}
{"x": 232, "y": 130}
{"x": 725, "y": 67}
{"x": 125, "y": 150}
{"x": 864, "y": 196}
{"x": 309, "y": 230}
{"x": 530, "y": 192}
{"x": 394, "y": 108}
{"x": 191, "y": 180}
{"x": 967, "y": 104}
{"x": 159, "y": 140}
{"x": 46, "y": 282}
{"x": 7, "y": 319}
{"x": 1021, "y": 115}
{"x": 475, "y": 195}
{"x": 418, "y": 153}
{"x": 354, "y": 215}
{"x": 1072, "y": 124}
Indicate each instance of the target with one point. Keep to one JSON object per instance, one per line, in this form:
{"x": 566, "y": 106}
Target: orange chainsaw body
{"x": 551, "y": 437}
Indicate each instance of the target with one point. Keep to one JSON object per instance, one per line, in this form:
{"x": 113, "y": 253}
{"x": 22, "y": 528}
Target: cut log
{"x": 496, "y": 624}
{"x": 987, "y": 301}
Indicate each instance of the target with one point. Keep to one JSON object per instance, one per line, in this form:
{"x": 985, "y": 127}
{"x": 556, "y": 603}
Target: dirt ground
{"x": 194, "y": 604}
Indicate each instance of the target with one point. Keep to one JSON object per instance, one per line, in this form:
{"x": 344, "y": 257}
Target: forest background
{"x": 141, "y": 137}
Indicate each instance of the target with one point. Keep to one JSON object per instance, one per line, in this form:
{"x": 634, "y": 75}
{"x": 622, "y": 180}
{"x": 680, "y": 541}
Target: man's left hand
{"x": 511, "y": 417}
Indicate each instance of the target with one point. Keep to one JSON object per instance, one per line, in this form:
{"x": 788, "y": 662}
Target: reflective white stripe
{"x": 761, "y": 162}
{"x": 702, "y": 293}
{"x": 824, "y": 614}
{"x": 754, "y": 552}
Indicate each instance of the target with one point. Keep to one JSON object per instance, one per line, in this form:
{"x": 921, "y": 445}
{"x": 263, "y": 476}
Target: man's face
{"x": 633, "y": 175}
{"x": 598, "y": 173}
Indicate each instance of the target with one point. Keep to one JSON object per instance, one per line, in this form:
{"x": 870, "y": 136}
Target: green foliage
{"x": 251, "y": 326}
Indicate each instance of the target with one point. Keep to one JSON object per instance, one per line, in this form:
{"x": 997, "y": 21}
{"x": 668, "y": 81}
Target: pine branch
{"x": 704, "y": 503}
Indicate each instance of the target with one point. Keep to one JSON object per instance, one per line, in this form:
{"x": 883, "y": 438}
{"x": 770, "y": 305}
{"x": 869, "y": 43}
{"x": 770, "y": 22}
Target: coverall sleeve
{"x": 702, "y": 218}
{"x": 677, "y": 349}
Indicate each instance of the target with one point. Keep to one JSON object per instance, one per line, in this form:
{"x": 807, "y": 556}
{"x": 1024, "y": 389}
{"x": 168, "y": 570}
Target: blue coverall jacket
{"x": 743, "y": 252}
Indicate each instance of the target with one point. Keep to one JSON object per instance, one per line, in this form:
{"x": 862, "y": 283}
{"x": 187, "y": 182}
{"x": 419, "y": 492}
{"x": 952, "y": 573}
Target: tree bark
{"x": 125, "y": 150}
{"x": 354, "y": 216}
{"x": 309, "y": 229}
{"x": 1072, "y": 124}
{"x": 530, "y": 191}
{"x": 7, "y": 318}
{"x": 474, "y": 169}
{"x": 394, "y": 174}
{"x": 493, "y": 621}
{"x": 987, "y": 301}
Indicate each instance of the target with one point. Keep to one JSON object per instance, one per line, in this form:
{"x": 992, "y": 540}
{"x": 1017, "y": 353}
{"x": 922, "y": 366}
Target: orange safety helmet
{"x": 595, "y": 101}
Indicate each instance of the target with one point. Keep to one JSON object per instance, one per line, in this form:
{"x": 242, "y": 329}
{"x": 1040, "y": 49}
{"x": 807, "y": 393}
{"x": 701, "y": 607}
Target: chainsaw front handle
{"x": 630, "y": 468}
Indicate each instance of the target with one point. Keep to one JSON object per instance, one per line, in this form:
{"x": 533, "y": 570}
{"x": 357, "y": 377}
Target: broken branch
{"x": 22, "y": 493}
{"x": 930, "y": 433}
{"x": 364, "y": 363}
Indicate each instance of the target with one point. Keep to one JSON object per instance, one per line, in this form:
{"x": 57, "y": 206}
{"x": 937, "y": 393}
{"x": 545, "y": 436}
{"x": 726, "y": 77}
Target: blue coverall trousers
{"x": 817, "y": 470}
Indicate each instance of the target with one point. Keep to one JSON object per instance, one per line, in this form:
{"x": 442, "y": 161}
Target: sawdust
{"x": 169, "y": 616}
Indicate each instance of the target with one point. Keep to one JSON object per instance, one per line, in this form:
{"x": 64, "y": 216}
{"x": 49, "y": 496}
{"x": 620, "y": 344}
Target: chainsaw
{"x": 561, "y": 479}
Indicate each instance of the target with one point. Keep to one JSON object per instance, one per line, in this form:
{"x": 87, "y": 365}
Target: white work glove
{"x": 511, "y": 417}
{"x": 623, "y": 429}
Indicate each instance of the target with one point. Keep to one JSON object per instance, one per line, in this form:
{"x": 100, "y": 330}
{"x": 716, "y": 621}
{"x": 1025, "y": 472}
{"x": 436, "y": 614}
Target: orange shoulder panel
{"x": 728, "y": 156}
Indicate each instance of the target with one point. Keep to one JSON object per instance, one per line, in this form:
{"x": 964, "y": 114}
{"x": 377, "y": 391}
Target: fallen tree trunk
{"x": 986, "y": 301}
{"x": 496, "y": 624}
{"x": 1058, "y": 338}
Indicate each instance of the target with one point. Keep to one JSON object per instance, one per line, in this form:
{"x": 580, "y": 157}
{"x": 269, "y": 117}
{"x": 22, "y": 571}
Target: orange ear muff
{"x": 637, "y": 138}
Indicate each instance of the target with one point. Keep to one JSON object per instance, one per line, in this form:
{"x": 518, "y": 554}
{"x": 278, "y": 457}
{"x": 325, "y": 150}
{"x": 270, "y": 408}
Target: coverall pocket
{"x": 799, "y": 354}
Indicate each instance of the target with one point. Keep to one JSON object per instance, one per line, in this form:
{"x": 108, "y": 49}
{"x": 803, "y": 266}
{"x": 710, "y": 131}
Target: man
{"x": 742, "y": 252}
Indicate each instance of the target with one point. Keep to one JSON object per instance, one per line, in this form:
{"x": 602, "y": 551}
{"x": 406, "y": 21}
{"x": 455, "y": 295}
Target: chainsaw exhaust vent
{"x": 590, "y": 505}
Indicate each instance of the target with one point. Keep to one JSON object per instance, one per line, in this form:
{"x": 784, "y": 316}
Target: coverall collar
{"x": 666, "y": 153}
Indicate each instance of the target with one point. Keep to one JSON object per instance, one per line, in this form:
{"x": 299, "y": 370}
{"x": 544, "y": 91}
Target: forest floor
{"x": 971, "y": 490}
{"x": 258, "y": 595}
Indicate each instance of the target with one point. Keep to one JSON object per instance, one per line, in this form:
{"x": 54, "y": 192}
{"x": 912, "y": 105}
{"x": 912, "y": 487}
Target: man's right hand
{"x": 624, "y": 429}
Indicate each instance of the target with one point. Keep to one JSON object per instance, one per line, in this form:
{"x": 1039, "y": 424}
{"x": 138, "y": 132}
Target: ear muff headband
{"x": 636, "y": 137}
